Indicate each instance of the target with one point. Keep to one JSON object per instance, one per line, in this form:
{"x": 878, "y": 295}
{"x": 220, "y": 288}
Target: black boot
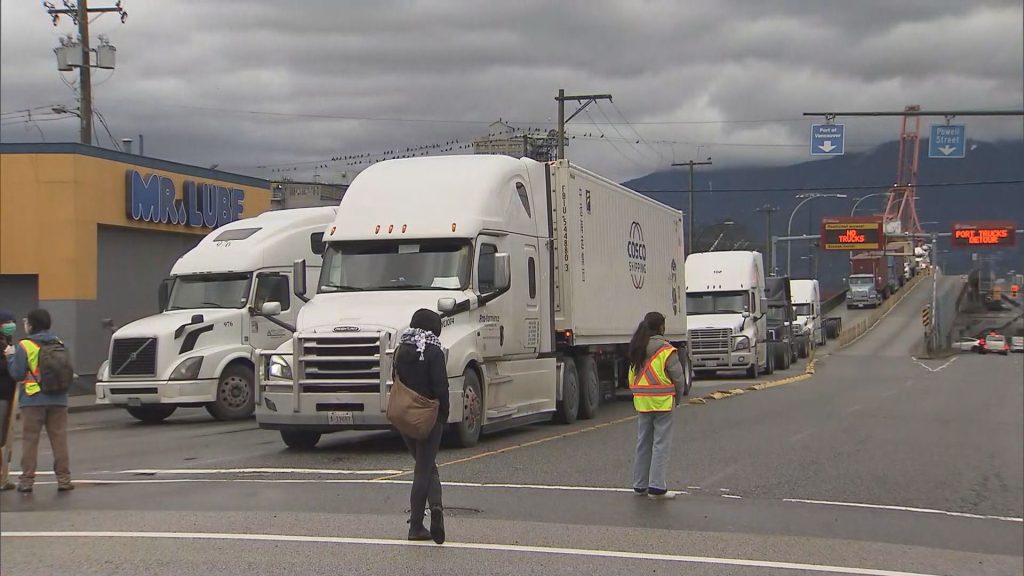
{"x": 417, "y": 531}
{"x": 437, "y": 524}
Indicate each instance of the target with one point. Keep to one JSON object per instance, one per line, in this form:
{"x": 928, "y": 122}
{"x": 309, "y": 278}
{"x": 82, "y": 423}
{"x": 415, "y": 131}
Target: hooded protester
{"x": 656, "y": 379}
{"x": 420, "y": 364}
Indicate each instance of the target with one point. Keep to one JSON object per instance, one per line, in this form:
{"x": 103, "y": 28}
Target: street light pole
{"x": 789, "y": 229}
{"x": 863, "y": 198}
{"x": 689, "y": 216}
{"x": 768, "y": 209}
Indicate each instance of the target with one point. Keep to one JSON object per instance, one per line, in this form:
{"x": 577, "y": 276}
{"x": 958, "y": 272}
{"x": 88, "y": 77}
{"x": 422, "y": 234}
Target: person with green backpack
{"x": 41, "y": 365}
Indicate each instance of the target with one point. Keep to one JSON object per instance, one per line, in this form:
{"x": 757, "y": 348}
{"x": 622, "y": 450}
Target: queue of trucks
{"x": 540, "y": 271}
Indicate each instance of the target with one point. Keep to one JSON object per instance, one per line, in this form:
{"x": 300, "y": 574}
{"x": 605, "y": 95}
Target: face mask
{"x": 8, "y": 329}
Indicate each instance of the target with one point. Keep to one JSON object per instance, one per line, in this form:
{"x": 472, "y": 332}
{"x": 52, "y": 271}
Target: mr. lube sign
{"x": 154, "y": 198}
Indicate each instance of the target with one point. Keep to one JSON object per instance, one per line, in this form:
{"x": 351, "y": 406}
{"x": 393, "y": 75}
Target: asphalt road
{"x": 878, "y": 463}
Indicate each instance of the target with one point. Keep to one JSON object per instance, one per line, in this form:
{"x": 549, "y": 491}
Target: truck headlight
{"x": 742, "y": 343}
{"x": 101, "y": 374}
{"x": 188, "y": 369}
{"x": 279, "y": 368}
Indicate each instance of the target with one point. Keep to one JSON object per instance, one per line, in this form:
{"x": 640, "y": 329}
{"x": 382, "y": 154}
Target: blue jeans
{"x": 653, "y": 443}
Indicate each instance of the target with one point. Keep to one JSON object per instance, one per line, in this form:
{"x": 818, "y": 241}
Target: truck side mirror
{"x": 164, "y": 293}
{"x": 446, "y": 305}
{"x": 502, "y": 272}
{"x": 299, "y": 279}
{"x": 271, "y": 309}
{"x": 764, "y": 305}
{"x": 746, "y": 313}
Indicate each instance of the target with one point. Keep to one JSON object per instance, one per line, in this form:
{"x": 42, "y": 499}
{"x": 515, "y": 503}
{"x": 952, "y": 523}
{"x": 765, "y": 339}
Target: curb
{"x": 722, "y": 394}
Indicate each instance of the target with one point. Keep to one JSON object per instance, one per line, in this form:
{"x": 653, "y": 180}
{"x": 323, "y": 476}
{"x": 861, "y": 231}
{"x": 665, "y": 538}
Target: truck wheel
{"x": 688, "y": 370}
{"x": 235, "y": 398}
{"x": 801, "y": 351}
{"x": 568, "y": 408}
{"x": 152, "y": 413}
{"x": 590, "y": 388}
{"x": 300, "y": 439}
{"x": 467, "y": 432}
{"x": 753, "y": 370}
{"x": 769, "y": 365}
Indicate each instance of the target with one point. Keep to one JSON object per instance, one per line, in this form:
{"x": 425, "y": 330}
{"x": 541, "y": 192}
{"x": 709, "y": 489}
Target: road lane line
{"x": 475, "y": 546}
{"x": 906, "y": 509}
{"x": 185, "y": 471}
{"x": 929, "y": 368}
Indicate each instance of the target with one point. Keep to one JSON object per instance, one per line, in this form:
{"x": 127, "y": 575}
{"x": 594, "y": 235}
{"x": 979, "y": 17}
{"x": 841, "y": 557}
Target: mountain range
{"x": 944, "y": 195}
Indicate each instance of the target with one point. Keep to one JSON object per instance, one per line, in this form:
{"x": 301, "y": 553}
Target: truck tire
{"x": 769, "y": 365}
{"x": 236, "y": 398}
{"x": 568, "y": 409}
{"x": 467, "y": 431}
{"x": 802, "y": 351}
{"x": 688, "y": 370}
{"x": 753, "y": 371}
{"x": 590, "y": 387}
{"x": 152, "y": 413}
{"x": 300, "y": 439}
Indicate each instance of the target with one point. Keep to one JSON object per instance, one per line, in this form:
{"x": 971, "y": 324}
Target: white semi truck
{"x": 200, "y": 349}
{"x": 725, "y": 301}
{"x": 809, "y": 316}
{"x": 541, "y": 273}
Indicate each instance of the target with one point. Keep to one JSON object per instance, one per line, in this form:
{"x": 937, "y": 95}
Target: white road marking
{"x": 324, "y": 471}
{"x": 853, "y": 408}
{"x": 906, "y": 509}
{"x": 732, "y": 496}
{"x": 800, "y": 435}
{"x": 476, "y": 546}
{"x": 203, "y": 471}
{"x": 929, "y": 368}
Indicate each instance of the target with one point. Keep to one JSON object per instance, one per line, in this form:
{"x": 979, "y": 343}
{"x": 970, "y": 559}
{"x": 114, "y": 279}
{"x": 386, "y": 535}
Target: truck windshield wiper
{"x": 340, "y": 288}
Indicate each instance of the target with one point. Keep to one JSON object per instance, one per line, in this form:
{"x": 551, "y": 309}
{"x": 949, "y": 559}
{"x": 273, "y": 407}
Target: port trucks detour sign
{"x": 153, "y": 198}
{"x": 852, "y": 233}
{"x": 997, "y": 234}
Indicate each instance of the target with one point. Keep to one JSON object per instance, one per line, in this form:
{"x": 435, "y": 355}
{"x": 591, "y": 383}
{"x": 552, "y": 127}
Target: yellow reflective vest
{"x": 31, "y": 381}
{"x": 653, "y": 390}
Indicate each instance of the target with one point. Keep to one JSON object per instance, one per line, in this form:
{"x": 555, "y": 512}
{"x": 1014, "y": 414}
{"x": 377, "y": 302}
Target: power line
{"x": 853, "y": 187}
{"x": 637, "y": 132}
{"x": 619, "y": 132}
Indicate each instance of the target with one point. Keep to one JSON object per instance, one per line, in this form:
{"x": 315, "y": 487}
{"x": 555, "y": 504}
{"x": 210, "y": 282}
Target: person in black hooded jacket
{"x": 420, "y": 363}
{"x": 7, "y": 406}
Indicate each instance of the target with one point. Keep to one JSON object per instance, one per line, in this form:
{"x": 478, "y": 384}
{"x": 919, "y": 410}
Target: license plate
{"x": 339, "y": 418}
{"x": 711, "y": 363}
{"x": 135, "y": 402}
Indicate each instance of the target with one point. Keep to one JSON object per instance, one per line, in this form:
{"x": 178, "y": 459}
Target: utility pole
{"x": 768, "y": 210}
{"x": 689, "y": 216}
{"x": 79, "y": 14}
{"x": 584, "y": 100}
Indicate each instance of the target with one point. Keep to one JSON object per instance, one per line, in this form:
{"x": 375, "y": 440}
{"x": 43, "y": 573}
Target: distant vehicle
{"x": 782, "y": 331}
{"x": 809, "y": 321}
{"x": 995, "y": 344}
{"x": 1017, "y": 344}
{"x": 968, "y": 345}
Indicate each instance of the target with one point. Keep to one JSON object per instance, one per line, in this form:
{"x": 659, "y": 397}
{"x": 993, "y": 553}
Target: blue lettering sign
{"x": 153, "y": 198}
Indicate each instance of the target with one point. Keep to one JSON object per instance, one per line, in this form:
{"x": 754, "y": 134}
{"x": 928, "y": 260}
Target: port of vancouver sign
{"x": 154, "y": 198}
{"x": 852, "y": 233}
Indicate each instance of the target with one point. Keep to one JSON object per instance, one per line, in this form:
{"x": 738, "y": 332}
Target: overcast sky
{"x": 198, "y": 78}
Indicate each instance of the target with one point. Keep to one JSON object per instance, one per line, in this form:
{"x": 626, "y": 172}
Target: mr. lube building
{"x": 89, "y": 233}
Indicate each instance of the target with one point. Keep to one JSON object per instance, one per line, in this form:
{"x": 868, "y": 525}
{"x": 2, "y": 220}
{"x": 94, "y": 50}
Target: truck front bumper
{"x": 320, "y": 412}
{"x": 156, "y": 392}
{"x": 703, "y": 362}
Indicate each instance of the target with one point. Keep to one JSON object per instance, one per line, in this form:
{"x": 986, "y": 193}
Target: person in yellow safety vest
{"x": 656, "y": 379}
{"x": 39, "y": 409}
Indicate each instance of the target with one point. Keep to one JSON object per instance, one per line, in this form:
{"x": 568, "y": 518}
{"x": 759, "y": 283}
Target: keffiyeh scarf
{"x": 419, "y": 338}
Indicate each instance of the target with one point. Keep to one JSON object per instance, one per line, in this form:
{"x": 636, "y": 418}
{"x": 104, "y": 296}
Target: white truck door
{"x": 271, "y": 287}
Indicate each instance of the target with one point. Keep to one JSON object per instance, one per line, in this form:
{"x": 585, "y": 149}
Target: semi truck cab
{"x": 200, "y": 349}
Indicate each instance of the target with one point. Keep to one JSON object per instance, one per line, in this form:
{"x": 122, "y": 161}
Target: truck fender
{"x": 227, "y": 356}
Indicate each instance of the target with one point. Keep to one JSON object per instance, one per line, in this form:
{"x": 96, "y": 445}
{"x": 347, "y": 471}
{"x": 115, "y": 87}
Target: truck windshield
{"x": 716, "y": 302}
{"x": 210, "y": 291}
{"x": 802, "y": 309}
{"x": 390, "y": 265}
{"x": 861, "y": 281}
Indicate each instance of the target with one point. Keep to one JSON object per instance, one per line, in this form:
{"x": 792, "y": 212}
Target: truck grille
{"x": 133, "y": 357}
{"x": 341, "y": 362}
{"x": 710, "y": 339}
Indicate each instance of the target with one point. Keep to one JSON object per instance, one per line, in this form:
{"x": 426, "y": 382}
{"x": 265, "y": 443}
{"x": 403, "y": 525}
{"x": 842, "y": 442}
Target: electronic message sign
{"x": 996, "y": 233}
{"x": 852, "y": 233}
